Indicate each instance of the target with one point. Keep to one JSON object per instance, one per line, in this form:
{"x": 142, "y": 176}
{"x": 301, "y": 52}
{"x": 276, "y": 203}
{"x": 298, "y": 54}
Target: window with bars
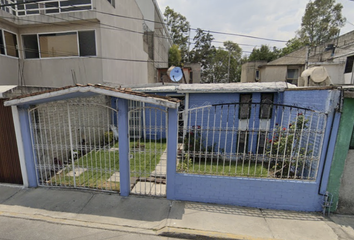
{"x": 245, "y": 106}
{"x": 266, "y": 107}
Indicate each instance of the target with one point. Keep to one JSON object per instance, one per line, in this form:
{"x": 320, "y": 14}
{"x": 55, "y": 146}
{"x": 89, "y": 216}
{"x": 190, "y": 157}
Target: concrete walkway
{"x": 158, "y": 216}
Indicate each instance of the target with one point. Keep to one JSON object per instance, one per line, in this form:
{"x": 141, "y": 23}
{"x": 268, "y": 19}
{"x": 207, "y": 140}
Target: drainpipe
{"x": 328, "y": 197}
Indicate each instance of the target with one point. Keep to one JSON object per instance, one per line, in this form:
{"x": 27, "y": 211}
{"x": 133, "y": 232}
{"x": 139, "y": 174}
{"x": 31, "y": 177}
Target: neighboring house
{"x": 336, "y": 56}
{"x": 60, "y": 43}
{"x": 229, "y": 152}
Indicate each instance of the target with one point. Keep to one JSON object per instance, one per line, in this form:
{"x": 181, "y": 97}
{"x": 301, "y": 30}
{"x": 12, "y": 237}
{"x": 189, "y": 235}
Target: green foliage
{"x": 225, "y": 64}
{"x": 291, "y": 46}
{"x": 321, "y": 22}
{"x": 174, "y": 56}
{"x": 193, "y": 141}
{"x": 185, "y": 164}
{"x": 179, "y": 28}
{"x": 285, "y": 142}
{"x": 108, "y": 138}
{"x": 264, "y": 53}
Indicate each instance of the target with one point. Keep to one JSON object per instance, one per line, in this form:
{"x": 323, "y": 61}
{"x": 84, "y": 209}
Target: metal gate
{"x": 147, "y": 151}
{"x": 258, "y": 140}
{"x": 75, "y": 144}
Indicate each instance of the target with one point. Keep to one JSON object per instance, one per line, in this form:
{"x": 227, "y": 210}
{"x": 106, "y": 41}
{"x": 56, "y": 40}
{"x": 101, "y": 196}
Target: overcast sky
{"x": 275, "y": 19}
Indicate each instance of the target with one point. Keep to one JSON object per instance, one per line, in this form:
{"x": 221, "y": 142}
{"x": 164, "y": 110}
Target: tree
{"x": 203, "y": 49}
{"x": 225, "y": 64}
{"x": 321, "y": 22}
{"x": 174, "y": 56}
{"x": 291, "y": 46}
{"x": 178, "y": 28}
{"x": 264, "y": 53}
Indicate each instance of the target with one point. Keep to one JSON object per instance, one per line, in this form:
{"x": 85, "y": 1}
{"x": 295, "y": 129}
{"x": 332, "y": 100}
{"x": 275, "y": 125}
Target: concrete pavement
{"x": 162, "y": 217}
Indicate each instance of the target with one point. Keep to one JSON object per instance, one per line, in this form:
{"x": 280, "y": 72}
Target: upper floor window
{"x": 81, "y": 43}
{"x": 292, "y": 75}
{"x": 8, "y": 44}
{"x": 349, "y": 64}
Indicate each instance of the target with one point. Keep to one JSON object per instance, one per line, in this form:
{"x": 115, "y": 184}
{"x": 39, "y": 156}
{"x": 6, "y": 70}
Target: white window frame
{"x": 78, "y": 44}
{"x": 44, "y": 9}
{"x": 4, "y": 40}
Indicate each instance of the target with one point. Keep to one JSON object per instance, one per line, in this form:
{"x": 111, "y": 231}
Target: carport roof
{"x": 91, "y": 90}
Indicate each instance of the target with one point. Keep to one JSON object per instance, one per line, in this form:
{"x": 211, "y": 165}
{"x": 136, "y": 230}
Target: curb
{"x": 203, "y": 235}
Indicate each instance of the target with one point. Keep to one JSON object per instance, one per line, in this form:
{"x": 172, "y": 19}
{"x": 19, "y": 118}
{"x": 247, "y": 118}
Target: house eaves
{"x": 91, "y": 90}
{"x": 5, "y": 88}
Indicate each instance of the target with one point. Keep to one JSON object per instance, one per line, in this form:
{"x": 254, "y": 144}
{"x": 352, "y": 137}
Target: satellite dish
{"x": 175, "y": 73}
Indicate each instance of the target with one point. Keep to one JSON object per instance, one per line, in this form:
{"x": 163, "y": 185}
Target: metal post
{"x": 171, "y": 151}
{"x": 123, "y": 132}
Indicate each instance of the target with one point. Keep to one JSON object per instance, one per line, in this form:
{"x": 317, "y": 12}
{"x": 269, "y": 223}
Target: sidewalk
{"x": 158, "y": 216}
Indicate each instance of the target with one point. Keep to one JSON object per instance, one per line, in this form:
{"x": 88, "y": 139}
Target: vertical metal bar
{"x": 207, "y": 141}
{"x": 201, "y": 138}
{"x": 35, "y": 146}
{"x": 280, "y": 136}
{"x": 232, "y": 139}
{"x": 195, "y": 136}
{"x": 71, "y": 144}
{"x": 51, "y": 148}
{"x": 226, "y": 135}
{"x": 212, "y": 143}
{"x": 300, "y": 143}
{"x": 45, "y": 149}
{"x": 293, "y": 142}
{"x": 286, "y": 143}
{"x": 321, "y": 141}
{"x": 219, "y": 141}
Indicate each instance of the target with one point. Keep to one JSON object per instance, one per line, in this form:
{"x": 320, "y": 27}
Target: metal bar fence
{"x": 258, "y": 140}
{"x": 74, "y": 145}
{"x": 21, "y": 8}
{"x": 147, "y": 149}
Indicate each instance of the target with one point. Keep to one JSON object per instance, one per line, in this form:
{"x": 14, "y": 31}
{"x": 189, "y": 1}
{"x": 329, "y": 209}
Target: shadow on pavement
{"x": 88, "y": 202}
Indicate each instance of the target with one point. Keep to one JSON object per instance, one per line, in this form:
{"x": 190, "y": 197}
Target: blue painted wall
{"x": 263, "y": 193}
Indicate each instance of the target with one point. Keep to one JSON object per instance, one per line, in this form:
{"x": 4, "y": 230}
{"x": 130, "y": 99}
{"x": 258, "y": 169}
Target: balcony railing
{"x": 21, "y": 8}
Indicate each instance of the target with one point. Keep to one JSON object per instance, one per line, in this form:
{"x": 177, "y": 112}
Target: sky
{"x": 273, "y": 19}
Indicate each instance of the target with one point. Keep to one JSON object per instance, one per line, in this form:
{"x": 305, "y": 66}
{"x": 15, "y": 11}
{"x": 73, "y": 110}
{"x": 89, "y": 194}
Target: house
{"x": 191, "y": 71}
{"x": 336, "y": 56}
{"x": 60, "y": 43}
{"x": 45, "y": 45}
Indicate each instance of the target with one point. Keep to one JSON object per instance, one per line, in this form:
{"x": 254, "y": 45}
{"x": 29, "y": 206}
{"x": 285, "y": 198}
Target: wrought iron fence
{"x": 75, "y": 144}
{"x": 259, "y": 140}
{"x": 148, "y": 154}
{"x": 21, "y": 8}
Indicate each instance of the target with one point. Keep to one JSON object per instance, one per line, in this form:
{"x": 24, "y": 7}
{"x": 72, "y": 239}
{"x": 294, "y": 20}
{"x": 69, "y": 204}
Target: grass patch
{"x": 223, "y": 168}
{"x": 100, "y": 165}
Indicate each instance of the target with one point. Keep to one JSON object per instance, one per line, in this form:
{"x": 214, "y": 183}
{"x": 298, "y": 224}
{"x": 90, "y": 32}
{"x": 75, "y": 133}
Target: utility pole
{"x": 228, "y": 69}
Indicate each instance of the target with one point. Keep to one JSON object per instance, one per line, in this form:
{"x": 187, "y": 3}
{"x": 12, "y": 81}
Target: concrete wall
{"x": 119, "y": 41}
{"x": 118, "y": 45}
{"x": 274, "y": 74}
{"x": 255, "y": 192}
{"x": 346, "y": 191}
{"x": 9, "y": 65}
{"x": 248, "y": 72}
